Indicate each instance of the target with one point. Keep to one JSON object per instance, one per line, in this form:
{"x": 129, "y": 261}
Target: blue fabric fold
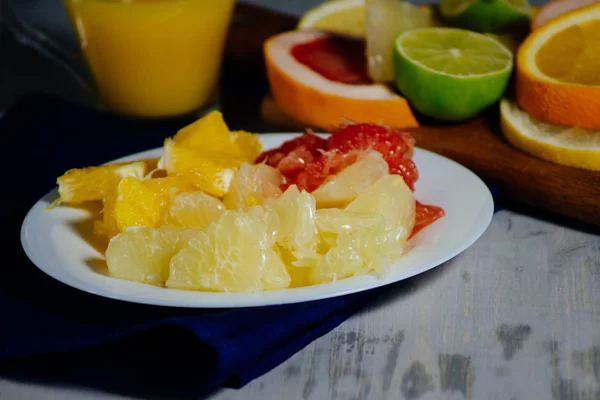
{"x": 53, "y": 332}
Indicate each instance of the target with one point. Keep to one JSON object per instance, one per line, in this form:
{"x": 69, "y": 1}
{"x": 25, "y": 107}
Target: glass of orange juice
{"x": 152, "y": 58}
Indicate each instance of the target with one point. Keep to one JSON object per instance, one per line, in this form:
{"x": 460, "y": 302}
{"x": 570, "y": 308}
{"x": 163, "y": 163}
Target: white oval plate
{"x": 51, "y": 240}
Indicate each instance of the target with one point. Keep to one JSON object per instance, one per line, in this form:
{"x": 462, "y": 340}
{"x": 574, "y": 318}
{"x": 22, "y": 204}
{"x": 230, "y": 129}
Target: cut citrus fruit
{"x": 486, "y": 15}
{"x": 385, "y": 20}
{"x": 395, "y": 146}
{"x": 165, "y": 189}
{"x": 207, "y": 170}
{"x": 193, "y": 210}
{"x": 331, "y": 222}
{"x": 131, "y": 204}
{"x": 93, "y": 183}
{"x": 340, "y": 16}
{"x": 451, "y": 74}
{"x": 390, "y": 197}
{"x": 212, "y": 134}
{"x": 252, "y": 185}
{"x": 359, "y": 252}
{"x": 233, "y": 254}
{"x": 143, "y": 254}
{"x": 344, "y": 187}
{"x": 566, "y": 145}
{"x": 555, "y": 8}
{"x": 558, "y": 70}
{"x": 297, "y": 232}
{"x": 296, "y": 63}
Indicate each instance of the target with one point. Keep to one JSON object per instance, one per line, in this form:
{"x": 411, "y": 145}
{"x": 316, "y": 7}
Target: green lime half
{"x": 339, "y": 16}
{"x": 451, "y": 74}
{"x": 486, "y": 15}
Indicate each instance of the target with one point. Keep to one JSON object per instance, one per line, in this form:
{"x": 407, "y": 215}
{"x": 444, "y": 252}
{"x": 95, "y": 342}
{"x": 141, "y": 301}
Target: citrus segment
{"x": 212, "y": 134}
{"x": 359, "y": 252}
{"x": 566, "y": 145}
{"x": 206, "y": 170}
{"x": 143, "y": 254}
{"x": 193, "y": 210}
{"x": 297, "y": 232}
{"x": 229, "y": 256}
{"x": 557, "y": 70}
{"x": 252, "y": 185}
{"x": 344, "y": 187}
{"x": 93, "y": 183}
{"x": 390, "y": 197}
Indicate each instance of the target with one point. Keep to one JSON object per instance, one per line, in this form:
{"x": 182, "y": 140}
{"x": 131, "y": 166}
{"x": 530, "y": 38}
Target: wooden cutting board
{"x": 477, "y": 144}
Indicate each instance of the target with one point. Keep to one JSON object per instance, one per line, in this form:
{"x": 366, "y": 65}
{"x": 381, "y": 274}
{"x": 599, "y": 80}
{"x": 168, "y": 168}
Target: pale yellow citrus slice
{"x": 566, "y": 145}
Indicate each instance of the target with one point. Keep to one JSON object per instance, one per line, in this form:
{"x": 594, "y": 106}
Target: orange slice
{"x": 314, "y": 100}
{"x": 558, "y": 70}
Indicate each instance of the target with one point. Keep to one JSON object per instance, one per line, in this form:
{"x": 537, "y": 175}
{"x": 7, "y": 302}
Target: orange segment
{"x": 93, "y": 183}
{"x": 313, "y": 100}
{"x": 211, "y": 133}
{"x": 166, "y": 189}
{"x": 206, "y": 170}
{"x": 131, "y": 204}
{"x": 558, "y": 70}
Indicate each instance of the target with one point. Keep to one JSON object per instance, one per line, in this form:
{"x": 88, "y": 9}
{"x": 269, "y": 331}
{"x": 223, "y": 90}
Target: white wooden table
{"x": 516, "y": 316}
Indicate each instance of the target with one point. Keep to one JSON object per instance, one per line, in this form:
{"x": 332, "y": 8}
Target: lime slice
{"x": 340, "y": 16}
{"x": 486, "y": 15}
{"x": 451, "y": 74}
{"x": 386, "y": 19}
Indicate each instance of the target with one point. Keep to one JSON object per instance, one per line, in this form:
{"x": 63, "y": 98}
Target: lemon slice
{"x": 341, "y": 16}
{"x": 566, "y": 145}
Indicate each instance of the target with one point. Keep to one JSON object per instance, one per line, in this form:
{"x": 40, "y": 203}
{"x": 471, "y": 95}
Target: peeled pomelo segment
{"x": 298, "y": 90}
{"x": 297, "y": 231}
{"x": 344, "y": 187}
{"x": 360, "y": 251}
{"x": 143, "y": 254}
{"x": 232, "y": 255}
{"x": 193, "y": 210}
{"x": 391, "y": 198}
{"x": 253, "y": 185}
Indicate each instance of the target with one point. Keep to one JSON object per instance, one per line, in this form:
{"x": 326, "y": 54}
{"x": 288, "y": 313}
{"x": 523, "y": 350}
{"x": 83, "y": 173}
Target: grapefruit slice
{"x": 320, "y": 80}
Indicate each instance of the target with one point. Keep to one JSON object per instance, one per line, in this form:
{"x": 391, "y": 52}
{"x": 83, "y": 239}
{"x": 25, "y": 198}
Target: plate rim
{"x": 277, "y": 297}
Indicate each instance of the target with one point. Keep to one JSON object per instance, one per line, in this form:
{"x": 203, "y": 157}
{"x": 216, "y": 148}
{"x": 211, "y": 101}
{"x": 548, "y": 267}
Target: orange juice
{"x": 152, "y": 58}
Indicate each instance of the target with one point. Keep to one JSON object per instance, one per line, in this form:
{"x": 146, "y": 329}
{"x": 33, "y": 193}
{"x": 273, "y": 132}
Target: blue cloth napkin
{"x": 52, "y": 332}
